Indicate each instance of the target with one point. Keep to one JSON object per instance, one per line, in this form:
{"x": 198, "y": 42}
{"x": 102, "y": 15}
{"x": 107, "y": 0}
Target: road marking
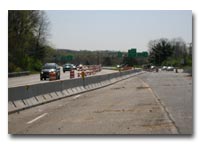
{"x": 37, "y": 118}
{"x": 75, "y": 97}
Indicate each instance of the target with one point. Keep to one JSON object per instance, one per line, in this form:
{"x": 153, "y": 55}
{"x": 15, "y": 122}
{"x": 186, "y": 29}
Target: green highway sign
{"x": 67, "y": 58}
{"x": 145, "y": 54}
{"x": 132, "y": 53}
{"x": 142, "y": 54}
{"x": 139, "y": 54}
{"x": 119, "y": 54}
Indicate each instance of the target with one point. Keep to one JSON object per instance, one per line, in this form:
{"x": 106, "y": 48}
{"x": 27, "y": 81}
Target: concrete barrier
{"x": 27, "y": 96}
{"x": 17, "y": 74}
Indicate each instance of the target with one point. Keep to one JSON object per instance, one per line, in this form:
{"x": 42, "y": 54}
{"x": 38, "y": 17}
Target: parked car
{"x": 48, "y": 68}
{"x": 67, "y": 67}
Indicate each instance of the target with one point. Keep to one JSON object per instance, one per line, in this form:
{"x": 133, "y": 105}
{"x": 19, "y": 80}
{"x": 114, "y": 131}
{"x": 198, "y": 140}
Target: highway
{"x": 35, "y": 78}
{"x": 175, "y": 92}
{"x": 150, "y": 103}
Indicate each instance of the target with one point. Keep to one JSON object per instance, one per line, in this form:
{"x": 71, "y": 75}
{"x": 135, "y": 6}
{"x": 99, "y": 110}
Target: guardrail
{"x": 23, "y": 97}
{"x": 108, "y": 68}
{"x": 15, "y": 74}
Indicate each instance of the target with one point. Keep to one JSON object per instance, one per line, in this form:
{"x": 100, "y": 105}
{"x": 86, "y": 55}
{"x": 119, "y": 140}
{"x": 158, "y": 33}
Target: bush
{"x": 189, "y": 61}
{"x": 13, "y": 68}
{"x": 176, "y": 62}
{"x": 34, "y": 64}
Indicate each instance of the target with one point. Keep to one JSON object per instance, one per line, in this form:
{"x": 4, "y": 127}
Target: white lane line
{"x": 37, "y": 118}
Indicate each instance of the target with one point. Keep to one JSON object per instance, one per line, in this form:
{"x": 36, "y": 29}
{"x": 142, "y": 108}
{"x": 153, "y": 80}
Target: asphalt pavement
{"x": 35, "y": 78}
{"x": 174, "y": 90}
{"x": 126, "y": 107}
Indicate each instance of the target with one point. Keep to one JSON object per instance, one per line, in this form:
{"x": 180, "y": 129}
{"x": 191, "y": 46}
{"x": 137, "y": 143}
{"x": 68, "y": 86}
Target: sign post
{"x": 83, "y": 77}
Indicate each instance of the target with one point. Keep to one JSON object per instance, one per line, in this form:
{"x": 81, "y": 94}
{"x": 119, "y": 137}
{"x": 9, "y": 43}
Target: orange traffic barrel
{"x": 71, "y": 74}
{"x": 52, "y": 76}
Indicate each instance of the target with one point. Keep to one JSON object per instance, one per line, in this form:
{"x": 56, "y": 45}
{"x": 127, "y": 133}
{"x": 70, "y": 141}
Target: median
{"x": 23, "y": 97}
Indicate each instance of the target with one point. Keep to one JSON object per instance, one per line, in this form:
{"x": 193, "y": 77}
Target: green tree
{"x": 27, "y": 31}
{"x": 159, "y": 51}
{"x": 107, "y": 61}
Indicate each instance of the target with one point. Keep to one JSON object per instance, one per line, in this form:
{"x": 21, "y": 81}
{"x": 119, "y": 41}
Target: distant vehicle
{"x": 122, "y": 65}
{"x": 153, "y": 67}
{"x": 79, "y": 67}
{"x": 118, "y": 66}
{"x": 170, "y": 68}
{"x": 67, "y": 67}
{"x": 146, "y": 66}
{"x": 48, "y": 68}
{"x": 164, "y": 68}
{"x": 73, "y": 66}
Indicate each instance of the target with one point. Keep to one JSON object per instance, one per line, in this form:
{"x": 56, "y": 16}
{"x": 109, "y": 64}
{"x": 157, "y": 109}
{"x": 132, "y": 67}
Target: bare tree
{"x": 179, "y": 47}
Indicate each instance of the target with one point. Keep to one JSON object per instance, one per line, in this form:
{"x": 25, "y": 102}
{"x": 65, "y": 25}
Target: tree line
{"x": 167, "y": 52}
{"x": 27, "y": 45}
{"x": 86, "y": 57}
{"x": 103, "y": 57}
{"x": 28, "y": 48}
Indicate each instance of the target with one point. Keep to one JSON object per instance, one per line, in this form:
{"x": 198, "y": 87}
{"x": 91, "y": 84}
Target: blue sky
{"x": 116, "y": 30}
